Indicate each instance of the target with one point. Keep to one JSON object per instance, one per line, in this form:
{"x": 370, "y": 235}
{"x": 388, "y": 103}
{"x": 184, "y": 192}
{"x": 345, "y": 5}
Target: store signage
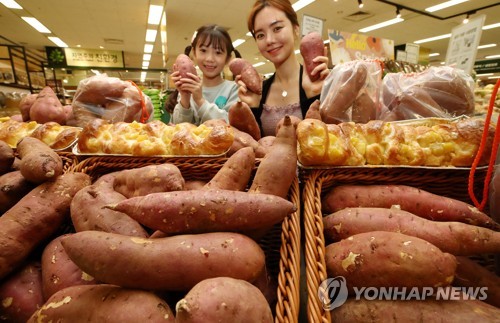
{"x": 311, "y": 24}
{"x": 84, "y": 57}
{"x": 462, "y": 47}
{"x": 345, "y": 46}
{"x": 487, "y": 66}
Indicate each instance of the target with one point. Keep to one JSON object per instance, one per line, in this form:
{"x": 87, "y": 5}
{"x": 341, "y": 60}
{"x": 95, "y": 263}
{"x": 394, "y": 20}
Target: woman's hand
{"x": 314, "y": 88}
{"x": 245, "y": 95}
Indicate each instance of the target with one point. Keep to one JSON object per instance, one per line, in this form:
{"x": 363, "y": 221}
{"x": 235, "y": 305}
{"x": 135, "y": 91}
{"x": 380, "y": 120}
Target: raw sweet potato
{"x": 148, "y": 179}
{"x": 184, "y": 65}
{"x": 241, "y": 117}
{"x": 313, "y": 111}
{"x": 172, "y": 263}
{"x": 13, "y": 186}
{"x": 21, "y": 294}
{"x": 25, "y": 105}
{"x": 235, "y": 174}
{"x": 470, "y": 273}
{"x": 267, "y": 141}
{"x": 35, "y": 218}
{"x": 457, "y": 238}
{"x": 415, "y": 311}
{"x": 243, "y": 139}
{"x": 47, "y": 107}
{"x": 88, "y": 212}
{"x": 237, "y": 65}
{"x": 311, "y": 46}
{"x": 104, "y": 304}
{"x": 389, "y": 259}
{"x": 6, "y": 157}
{"x": 39, "y": 163}
{"x": 417, "y": 201}
{"x": 97, "y": 90}
{"x": 58, "y": 271}
{"x": 194, "y": 185}
{"x": 363, "y": 109}
{"x": 249, "y": 75}
{"x": 199, "y": 211}
{"x": 223, "y": 299}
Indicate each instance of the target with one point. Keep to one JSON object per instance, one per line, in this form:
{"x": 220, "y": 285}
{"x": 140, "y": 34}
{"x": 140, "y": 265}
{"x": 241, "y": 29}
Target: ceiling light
{"x": 494, "y": 77}
{"x": 486, "y": 46}
{"x": 58, "y": 41}
{"x": 492, "y": 56}
{"x": 442, "y": 63}
{"x": 360, "y": 4}
{"x": 444, "y": 5}
{"x": 155, "y": 12}
{"x": 11, "y": 4}
{"x": 101, "y": 47}
{"x": 258, "y": 64}
{"x": 145, "y": 64}
{"x": 249, "y": 34}
{"x": 466, "y": 20}
{"x": 238, "y": 42}
{"x": 96, "y": 72}
{"x": 301, "y": 4}
{"x": 434, "y": 54}
{"x": 146, "y": 57}
{"x": 78, "y": 46}
{"x": 381, "y": 25}
{"x": 398, "y": 13}
{"x": 143, "y": 76}
{"x": 491, "y": 26}
{"x": 426, "y": 40}
{"x": 148, "y": 48}
{"x": 33, "y": 22}
{"x": 485, "y": 74}
{"x": 151, "y": 35}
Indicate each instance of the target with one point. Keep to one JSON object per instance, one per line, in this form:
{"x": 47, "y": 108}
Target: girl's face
{"x": 210, "y": 60}
{"x": 275, "y": 35}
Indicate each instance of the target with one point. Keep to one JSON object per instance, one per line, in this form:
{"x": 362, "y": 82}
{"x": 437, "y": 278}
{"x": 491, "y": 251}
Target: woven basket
{"x": 448, "y": 182}
{"x": 281, "y": 244}
{"x": 69, "y": 160}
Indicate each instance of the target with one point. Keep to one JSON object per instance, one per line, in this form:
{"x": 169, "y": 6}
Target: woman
{"x": 289, "y": 91}
{"x": 210, "y": 96}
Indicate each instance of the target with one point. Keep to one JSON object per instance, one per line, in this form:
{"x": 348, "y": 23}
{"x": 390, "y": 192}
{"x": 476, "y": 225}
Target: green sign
{"x": 487, "y": 66}
{"x": 83, "y": 57}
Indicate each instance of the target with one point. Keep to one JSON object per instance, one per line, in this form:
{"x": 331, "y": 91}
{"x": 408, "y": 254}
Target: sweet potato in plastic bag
{"x": 351, "y": 92}
{"x": 439, "y": 91}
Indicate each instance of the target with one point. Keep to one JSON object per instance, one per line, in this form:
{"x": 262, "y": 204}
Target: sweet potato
{"x": 58, "y": 271}
{"x": 313, "y": 111}
{"x": 241, "y": 117}
{"x": 21, "y": 294}
{"x": 184, "y": 65}
{"x": 417, "y": 201}
{"x": 47, "y": 107}
{"x": 311, "y": 46}
{"x": 39, "y": 163}
{"x": 25, "y": 105}
{"x": 470, "y": 273}
{"x": 88, "y": 212}
{"x": 415, "y": 311}
{"x": 35, "y": 218}
{"x": 235, "y": 174}
{"x": 267, "y": 141}
{"x": 194, "y": 184}
{"x": 13, "y": 186}
{"x": 243, "y": 139}
{"x": 278, "y": 168}
{"x": 104, "y": 304}
{"x": 223, "y": 299}
{"x": 172, "y": 263}
{"x": 97, "y": 90}
{"x": 249, "y": 75}
{"x": 457, "y": 238}
{"x": 363, "y": 109}
{"x": 6, "y": 157}
{"x": 148, "y": 179}
{"x": 389, "y": 259}
{"x": 200, "y": 211}
{"x": 237, "y": 65}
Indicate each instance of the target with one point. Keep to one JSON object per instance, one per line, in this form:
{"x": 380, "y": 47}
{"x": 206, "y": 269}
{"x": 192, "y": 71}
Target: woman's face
{"x": 275, "y": 35}
{"x": 210, "y": 60}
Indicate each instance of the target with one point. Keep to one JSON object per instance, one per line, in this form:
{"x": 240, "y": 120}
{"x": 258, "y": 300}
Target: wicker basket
{"x": 281, "y": 244}
{"x": 447, "y": 182}
{"x": 69, "y": 160}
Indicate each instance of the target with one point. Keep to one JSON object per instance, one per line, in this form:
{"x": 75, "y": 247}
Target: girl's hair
{"x": 215, "y": 36}
{"x": 283, "y": 5}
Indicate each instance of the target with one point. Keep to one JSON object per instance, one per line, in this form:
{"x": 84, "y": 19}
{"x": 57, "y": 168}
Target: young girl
{"x": 289, "y": 91}
{"x": 211, "y": 96}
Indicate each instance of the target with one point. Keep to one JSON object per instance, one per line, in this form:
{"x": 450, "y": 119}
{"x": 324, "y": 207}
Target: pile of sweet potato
{"x": 397, "y": 236}
{"x": 149, "y": 242}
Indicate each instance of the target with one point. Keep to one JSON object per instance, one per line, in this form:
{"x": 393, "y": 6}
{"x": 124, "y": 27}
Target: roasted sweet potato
{"x": 35, "y": 218}
{"x": 39, "y": 163}
{"x": 58, "y": 271}
{"x": 457, "y": 238}
{"x": 184, "y": 65}
{"x": 417, "y": 201}
{"x": 223, "y": 299}
{"x": 6, "y": 157}
{"x": 104, "y": 304}
{"x": 172, "y": 263}
{"x": 13, "y": 187}
{"x": 311, "y": 46}
{"x": 389, "y": 259}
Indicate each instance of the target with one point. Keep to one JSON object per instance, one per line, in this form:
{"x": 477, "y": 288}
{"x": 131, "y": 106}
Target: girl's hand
{"x": 314, "y": 88}
{"x": 193, "y": 85}
{"x": 245, "y": 95}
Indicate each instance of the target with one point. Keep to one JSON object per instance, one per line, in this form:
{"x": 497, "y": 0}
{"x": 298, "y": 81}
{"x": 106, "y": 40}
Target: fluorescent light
{"x": 485, "y": 74}
{"x": 492, "y": 56}
{"x": 145, "y": 64}
{"x": 426, "y": 40}
{"x": 146, "y": 57}
{"x": 491, "y": 26}
{"x": 258, "y": 64}
{"x": 434, "y": 54}
{"x": 381, "y": 25}
{"x": 301, "y": 4}
{"x": 148, "y": 48}
{"x": 155, "y": 12}
{"x": 58, "y": 41}
{"x": 238, "y": 42}
{"x": 33, "y": 22}
{"x": 143, "y": 76}
{"x": 444, "y": 5}
{"x": 486, "y": 46}
{"x": 249, "y": 34}
{"x": 151, "y": 35}
{"x": 494, "y": 77}
{"x": 78, "y": 46}
{"x": 11, "y": 4}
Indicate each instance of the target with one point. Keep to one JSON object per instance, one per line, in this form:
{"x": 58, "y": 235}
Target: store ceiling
{"x": 121, "y": 24}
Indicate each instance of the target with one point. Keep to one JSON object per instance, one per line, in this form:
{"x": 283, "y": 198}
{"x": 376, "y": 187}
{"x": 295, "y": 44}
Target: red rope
{"x": 145, "y": 113}
{"x": 484, "y": 138}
